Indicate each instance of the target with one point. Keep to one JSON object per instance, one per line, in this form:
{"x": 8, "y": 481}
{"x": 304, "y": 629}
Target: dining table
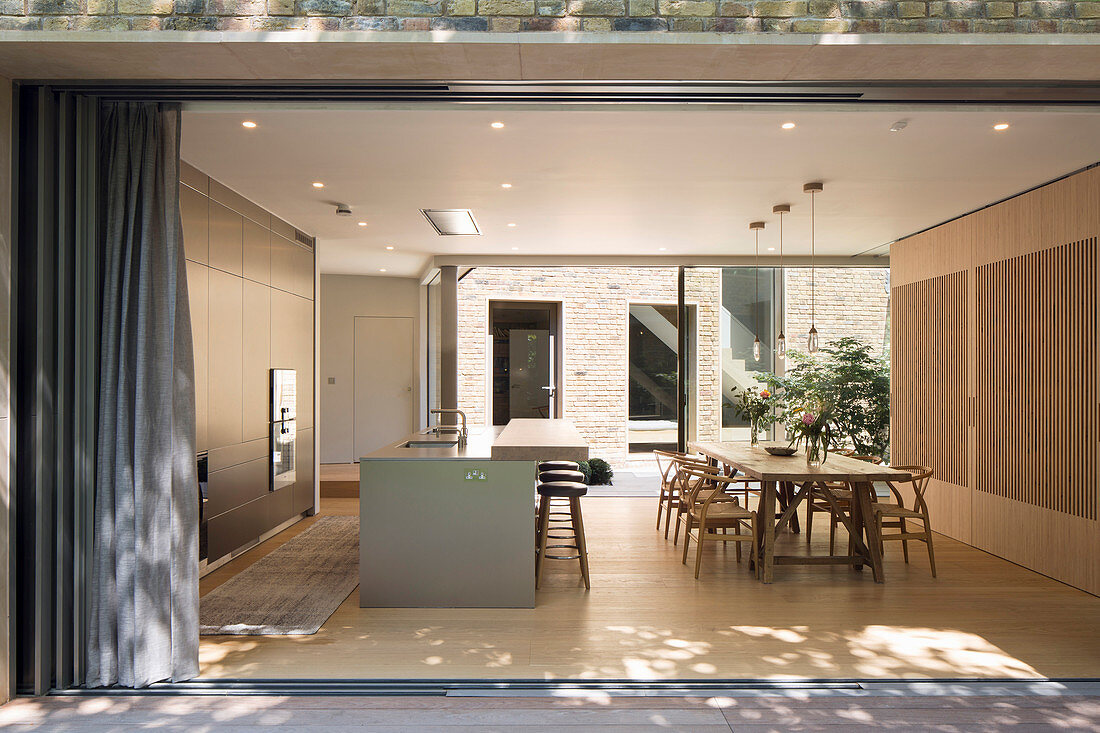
{"x": 793, "y": 478}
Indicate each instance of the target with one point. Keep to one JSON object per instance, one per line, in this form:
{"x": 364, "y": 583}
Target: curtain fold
{"x": 143, "y": 620}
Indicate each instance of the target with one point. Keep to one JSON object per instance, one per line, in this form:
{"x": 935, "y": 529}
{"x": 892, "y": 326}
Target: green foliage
{"x": 856, "y": 385}
{"x": 599, "y": 472}
{"x": 584, "y": 468}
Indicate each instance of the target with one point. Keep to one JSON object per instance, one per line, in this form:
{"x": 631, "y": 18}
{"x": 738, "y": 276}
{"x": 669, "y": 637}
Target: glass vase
{"x": 815, "y": 450}
{"x": 754, "y": 431}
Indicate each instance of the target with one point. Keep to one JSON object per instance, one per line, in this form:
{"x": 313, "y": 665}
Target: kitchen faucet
{"x": 461, "y": 431}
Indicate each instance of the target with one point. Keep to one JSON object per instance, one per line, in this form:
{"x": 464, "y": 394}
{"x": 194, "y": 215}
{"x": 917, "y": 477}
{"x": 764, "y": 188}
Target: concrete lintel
{"x": 656, "y": 261}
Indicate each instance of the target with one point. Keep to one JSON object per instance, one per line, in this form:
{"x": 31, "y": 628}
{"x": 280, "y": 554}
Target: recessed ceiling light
{"x": 496, "y": 125}
{"x": 514, "y": 248}
{"x": 249, "y": 124}
{"x": 787, "y": 125}
{"x": 389, "y": 247}
{"x": 318, "y": 184}
{"x": 381, "y": 269}
{"x": 362, "y": 223}
{"x": 511, "y": 223}
{"x": 662, "y": 249}
{"x": 899, "y": 125}
{"x": 1000, "y": 126}
{"x": 506, "y": 185}
{"x": 771, "y": 249}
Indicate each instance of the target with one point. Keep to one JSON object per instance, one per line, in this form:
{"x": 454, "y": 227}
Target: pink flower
{"x": 808, "y": 418}
{"x": 765, "y": 394}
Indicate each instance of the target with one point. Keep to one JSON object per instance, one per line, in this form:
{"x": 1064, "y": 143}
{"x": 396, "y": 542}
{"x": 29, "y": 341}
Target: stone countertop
{"x": 519, "y": 440}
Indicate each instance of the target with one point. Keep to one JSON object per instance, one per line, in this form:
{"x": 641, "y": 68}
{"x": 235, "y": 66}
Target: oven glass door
{"x": 283, "y": 460}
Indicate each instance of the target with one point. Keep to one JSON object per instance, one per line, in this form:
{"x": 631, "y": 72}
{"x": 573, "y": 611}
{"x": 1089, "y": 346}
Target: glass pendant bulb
{"x": 756, "y": 349}
{"x": 811, "y": 341}
{"x": 781, "y": 346}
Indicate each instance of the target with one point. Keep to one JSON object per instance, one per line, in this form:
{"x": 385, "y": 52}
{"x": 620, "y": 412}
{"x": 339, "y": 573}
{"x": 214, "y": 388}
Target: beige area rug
{"x": 292, "y": 590}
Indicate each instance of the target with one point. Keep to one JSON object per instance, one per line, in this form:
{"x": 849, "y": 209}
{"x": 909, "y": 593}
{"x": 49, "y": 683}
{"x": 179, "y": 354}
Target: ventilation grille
{"x": 1036, "y": 347}
{"x": 303, "y": 239}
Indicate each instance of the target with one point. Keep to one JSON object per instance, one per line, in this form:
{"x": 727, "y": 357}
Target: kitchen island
{"x": 451, "y": 525}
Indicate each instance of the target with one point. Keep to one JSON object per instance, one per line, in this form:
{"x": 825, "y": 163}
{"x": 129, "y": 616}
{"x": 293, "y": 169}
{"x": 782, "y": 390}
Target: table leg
{"x": 767, "y": 529}
{"x": 863, "y": 492}
{"x": 788, "y": 487}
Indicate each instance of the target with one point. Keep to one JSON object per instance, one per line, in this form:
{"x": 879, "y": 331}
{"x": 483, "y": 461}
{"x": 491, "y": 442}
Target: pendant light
{"x": 756, "y": 227}
{"x": 781, "y": 342}
{"x": 812, "y": 340}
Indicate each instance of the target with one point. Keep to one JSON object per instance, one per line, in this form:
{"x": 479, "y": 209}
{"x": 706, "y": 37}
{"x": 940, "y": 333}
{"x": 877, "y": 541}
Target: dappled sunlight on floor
{"x": 647, "y": 618}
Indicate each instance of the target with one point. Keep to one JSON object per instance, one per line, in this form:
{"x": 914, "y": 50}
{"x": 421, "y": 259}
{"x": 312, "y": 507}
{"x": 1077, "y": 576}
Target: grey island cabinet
{"x": 447, "y": 525}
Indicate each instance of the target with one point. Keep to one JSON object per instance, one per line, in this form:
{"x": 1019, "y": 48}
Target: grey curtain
{"x": 143, "y": 607}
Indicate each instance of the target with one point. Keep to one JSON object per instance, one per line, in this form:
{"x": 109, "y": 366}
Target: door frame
{"x": 557, "y": 351}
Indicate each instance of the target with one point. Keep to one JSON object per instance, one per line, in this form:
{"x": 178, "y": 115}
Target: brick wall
{"x": 595, "y": 303}
{"x": 850, "y": 301}
{"x": 722, "y": 16}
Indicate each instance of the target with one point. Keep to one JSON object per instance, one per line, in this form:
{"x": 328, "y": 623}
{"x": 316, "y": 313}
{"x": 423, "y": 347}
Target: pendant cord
{"x": 813, "y": 262}
{"x": 756, "y": 295}
{"x": 782, "y": 316}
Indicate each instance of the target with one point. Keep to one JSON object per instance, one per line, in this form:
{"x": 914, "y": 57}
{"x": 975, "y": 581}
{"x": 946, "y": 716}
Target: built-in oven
{"x": 201, "y": 472}
{"x": 283, "y": 429}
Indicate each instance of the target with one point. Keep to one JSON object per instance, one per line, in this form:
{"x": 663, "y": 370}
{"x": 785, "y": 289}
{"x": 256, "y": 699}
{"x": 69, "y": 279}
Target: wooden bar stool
{"x": 566, "y": 534}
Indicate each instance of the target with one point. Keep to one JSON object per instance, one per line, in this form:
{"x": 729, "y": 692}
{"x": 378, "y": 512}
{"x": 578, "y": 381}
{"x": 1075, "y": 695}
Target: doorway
{"x": 385, "y": 371}
{"x": 525, "y": 353}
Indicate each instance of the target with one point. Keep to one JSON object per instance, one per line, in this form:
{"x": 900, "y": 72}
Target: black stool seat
{"x": 558, "y": 466}
{"x": 559, "y": 475}
{"x": 562, "y": 488}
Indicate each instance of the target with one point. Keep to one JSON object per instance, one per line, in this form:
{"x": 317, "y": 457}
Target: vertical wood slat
{"x": 1036, "y": 390}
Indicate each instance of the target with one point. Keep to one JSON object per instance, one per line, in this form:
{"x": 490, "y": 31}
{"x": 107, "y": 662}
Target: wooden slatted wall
{"x": 1032, "y": 309}
{"x": 996, "y": 382}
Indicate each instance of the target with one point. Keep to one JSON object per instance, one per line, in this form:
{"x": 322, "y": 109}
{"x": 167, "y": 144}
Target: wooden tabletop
{"x": 754, "y": 461}
{"x": 536, "y": 439}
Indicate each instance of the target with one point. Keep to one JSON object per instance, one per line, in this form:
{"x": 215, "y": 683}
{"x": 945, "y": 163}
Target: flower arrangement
{"x": 758, "y": 407}
{"x": 812, "y": 426}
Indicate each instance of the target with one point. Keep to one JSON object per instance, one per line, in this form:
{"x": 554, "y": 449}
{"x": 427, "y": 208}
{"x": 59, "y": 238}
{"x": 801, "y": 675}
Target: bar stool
{"x": 559, "y": 506}
{"x": 559, "y": 466}
{"x": 572, "y": 491}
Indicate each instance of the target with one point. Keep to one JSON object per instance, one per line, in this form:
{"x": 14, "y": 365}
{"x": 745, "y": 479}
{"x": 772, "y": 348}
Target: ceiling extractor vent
{"x": 451, "y": 222}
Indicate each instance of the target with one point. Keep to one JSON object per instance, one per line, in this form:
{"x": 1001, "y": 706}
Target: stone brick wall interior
{"x": 850, "y": 302}
{"x": 594, "y": 304}
{"x": 722, "y": 16}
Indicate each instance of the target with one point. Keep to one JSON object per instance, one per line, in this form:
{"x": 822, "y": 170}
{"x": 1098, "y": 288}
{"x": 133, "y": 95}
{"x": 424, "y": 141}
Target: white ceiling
{"x": 616, "y": 181}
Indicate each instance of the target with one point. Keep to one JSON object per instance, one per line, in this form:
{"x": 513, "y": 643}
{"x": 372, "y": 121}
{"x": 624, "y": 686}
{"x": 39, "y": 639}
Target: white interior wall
{"x": 343, "y": 297}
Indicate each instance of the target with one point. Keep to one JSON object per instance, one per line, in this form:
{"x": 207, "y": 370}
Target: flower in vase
{"x": 808, "y": 418}
{"x": 765, "y": 394}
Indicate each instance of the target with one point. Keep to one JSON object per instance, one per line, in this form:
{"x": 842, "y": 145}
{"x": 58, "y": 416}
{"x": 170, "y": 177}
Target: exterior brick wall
{"x": 850, "y": 301}
{"x": 595, "y": 304}
{"x": 721, "y": 16}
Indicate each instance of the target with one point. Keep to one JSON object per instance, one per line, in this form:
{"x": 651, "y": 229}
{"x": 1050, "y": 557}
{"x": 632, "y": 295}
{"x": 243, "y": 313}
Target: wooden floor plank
{"x": 646, "y": 617}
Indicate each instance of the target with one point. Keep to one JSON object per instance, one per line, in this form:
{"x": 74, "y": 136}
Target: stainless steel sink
{"x": 430, "y": 444}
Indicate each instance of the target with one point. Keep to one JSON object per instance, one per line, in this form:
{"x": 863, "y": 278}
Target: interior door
{"x": 385, "y": 372}
{"x": 530, "y": 383}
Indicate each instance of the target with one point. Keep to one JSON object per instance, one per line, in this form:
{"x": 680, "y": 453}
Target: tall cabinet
{"x": 995, "y": 376}
{"x": 250, "y": 280}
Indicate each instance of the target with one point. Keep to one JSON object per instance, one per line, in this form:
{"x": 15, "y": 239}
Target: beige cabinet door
{"x": 385, "y": 376}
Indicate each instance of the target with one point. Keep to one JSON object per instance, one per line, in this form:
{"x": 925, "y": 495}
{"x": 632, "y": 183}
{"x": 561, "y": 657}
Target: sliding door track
{"x": 607, "y": 688}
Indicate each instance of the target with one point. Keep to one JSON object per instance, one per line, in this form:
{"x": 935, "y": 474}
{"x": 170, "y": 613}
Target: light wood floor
{"x": 646, "y": 617}
{"x": 533, "y": 715}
